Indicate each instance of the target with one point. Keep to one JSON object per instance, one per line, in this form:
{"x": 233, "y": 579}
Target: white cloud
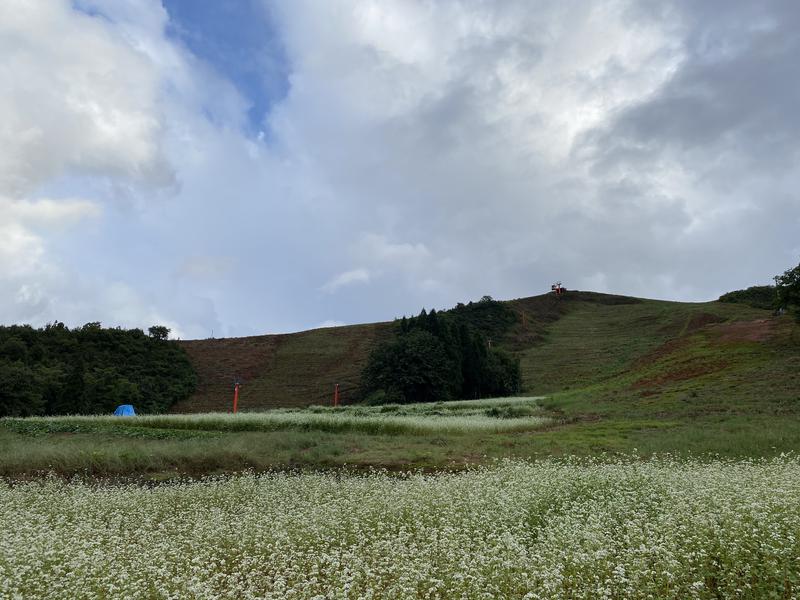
{"x": 378, "y": 250}
{"x": 48, "y": 213}
{"x": 80, "y": 98}
{"x": 472, "y": 129}
{"x": 345, "y": 279}
{"x": 74, "y": 97}
{"x": 329, "y": 323}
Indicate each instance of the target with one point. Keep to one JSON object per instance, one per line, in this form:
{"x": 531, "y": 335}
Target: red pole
{"x": 235, "y": 398}
{"x": 336, "y": 395}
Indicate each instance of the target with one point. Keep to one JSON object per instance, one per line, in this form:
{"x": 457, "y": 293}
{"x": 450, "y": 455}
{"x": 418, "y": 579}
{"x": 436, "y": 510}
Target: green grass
{"x": 466, "y": 417}
{"x": 391, "y": 435}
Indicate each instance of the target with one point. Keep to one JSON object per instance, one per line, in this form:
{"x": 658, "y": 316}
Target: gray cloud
{"x": 720, "y": 139}
{"x": 735, "y": 93}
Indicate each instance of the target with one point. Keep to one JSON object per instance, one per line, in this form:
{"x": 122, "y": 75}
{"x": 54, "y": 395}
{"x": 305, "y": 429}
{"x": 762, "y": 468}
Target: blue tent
{"x": 125, "y": 410}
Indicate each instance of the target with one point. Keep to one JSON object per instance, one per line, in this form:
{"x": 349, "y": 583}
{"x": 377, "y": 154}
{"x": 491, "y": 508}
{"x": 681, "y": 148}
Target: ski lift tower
{"x": 237, "y": 383}
{"x": 557, "y": 288}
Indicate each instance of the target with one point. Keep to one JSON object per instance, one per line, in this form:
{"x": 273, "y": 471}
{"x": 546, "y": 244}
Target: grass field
{"x": 663, "y": 528}
{"x": 464, "y": 417}
{"x": 435, "y": 436}
{"x": 316, "y": 436}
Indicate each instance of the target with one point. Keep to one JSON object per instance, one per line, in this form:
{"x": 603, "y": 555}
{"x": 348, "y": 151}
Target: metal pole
{"x": 235, "y": 398}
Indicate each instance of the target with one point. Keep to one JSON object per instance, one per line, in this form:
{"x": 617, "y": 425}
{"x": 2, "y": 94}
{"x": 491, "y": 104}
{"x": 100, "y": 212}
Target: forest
{"x": 90, "y": 370}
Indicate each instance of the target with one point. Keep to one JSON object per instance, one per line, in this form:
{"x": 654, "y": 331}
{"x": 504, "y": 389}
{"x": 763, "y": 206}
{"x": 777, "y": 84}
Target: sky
{"x": 243, "y": 167}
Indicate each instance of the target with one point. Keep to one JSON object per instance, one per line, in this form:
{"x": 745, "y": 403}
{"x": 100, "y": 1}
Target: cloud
{"x": 205, "y": 267}
{"x": 717, "y": 139}
{"x": 454, "y": 125}
{"x": 83, "y": 110}
{"x": 48, "y": 213}
{"x": 379, "y": 250}
{"x": 526, "y": 145}
{"x": 422, "y": 154}
{"x": 87, "y": 103}
{"x": 329, "y": 323}
{"x": 345, "y": 279}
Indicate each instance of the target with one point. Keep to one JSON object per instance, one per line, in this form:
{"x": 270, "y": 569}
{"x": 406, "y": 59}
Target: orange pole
{"x": 336, "y": 395}
{"x": 235, "y": 398}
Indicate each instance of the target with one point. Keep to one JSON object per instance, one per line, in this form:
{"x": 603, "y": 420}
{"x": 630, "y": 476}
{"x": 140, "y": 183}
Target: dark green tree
{"x": 404, "y": 325}
{"x": 442, "y": 355}
{"x": 20, "y": 390}
{"x": 158, "y": 332}
{"x": 757, "y": 296}
{"x": 788, "y": 288}
{"x": 14, "y": 349}
{"x": 502, "y": 376}
{"x": 414, "y": 367}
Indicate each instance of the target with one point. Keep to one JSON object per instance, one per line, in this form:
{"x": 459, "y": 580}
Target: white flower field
{"x": 661, "y": 528}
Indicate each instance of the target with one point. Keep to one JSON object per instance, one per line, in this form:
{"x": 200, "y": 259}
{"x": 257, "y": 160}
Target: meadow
{"x": 318, "y": 436}
{"x": 569, "y": 528}
{"x": 490, "y": 415}
{"x": 437, "y": 436}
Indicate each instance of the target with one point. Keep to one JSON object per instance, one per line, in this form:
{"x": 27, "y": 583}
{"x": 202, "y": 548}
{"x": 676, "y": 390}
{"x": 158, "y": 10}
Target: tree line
{"x": 443, "y": 356}
{"x": 90, "y": 369}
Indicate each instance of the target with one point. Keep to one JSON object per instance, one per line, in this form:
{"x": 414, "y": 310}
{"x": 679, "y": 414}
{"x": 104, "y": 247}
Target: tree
{"x": 107, "y": 388}
{"x": 14, "y": 349}
{"x": 503, "y": 375}
{"x": 158, "y": 332}
{"x": 473, "y": 357}
{"x": 20, "y": 390}
{"x": 414, "y": 367}
{"x": 442, "y": 355}
{"x": 788, "y": 288}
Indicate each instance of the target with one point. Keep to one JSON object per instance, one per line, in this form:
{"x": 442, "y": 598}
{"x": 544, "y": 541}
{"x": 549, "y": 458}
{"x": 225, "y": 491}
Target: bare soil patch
{"x": 746, "y": 331}
{"x": 688, "y": 371}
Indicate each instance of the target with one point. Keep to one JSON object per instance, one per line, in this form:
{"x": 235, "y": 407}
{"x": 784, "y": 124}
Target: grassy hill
{"x": 647, "y": 350}
{"x": 602, "y": 374}
{"x": 617, "y": 373}
{"x": 668, "y": 376}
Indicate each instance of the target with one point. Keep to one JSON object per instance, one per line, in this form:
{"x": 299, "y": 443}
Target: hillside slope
{"x": 296, "y": 369}
{"x": 611, "y": 346}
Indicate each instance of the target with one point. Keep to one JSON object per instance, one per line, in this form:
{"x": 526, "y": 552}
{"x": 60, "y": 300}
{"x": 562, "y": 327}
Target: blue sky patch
{"x": 238, "y": 38}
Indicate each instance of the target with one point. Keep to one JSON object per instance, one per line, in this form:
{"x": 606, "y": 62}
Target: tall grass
{"x": 486, "y": 416}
